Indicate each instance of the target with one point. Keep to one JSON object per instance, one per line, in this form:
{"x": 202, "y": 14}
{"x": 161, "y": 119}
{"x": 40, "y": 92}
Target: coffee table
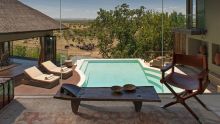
{"x": 76, "y": 95}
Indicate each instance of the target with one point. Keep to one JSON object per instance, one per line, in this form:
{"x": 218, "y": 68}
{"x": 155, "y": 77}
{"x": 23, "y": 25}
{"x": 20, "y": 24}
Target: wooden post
{"x": 41, "y": 56}
{"x": 189, "y": 12}
{"x": 48, "y": 49}
{"x": 218, "y": 88}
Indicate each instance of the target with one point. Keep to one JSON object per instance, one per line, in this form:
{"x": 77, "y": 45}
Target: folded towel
{"x": 64, "y": 69}
{"x": 48, "y": 77}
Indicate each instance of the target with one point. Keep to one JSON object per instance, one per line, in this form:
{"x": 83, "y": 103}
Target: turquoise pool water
{"x": 106, "y": 73}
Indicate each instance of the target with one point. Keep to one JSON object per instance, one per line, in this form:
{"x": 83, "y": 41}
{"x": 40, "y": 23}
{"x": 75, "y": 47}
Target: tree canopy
{"x": 127, "y": 33}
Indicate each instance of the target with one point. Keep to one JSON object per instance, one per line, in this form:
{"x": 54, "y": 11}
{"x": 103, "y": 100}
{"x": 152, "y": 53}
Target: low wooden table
{"x": 142, "y": 94}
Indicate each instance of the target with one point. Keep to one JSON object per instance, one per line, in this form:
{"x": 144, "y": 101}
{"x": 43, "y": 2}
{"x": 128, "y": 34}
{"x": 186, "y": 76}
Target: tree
{"x": 125, "y": 32}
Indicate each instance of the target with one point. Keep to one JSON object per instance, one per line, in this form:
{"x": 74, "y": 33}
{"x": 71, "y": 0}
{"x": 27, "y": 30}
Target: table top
{"x": 142, "y": 93}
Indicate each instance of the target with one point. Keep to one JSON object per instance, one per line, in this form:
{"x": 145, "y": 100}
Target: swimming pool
{"x": 109, "y": 72}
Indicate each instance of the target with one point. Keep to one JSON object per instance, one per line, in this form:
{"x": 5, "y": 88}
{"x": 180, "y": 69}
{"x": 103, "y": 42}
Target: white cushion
{"x": 42, "y": 78}
{"x": 33, "y": 72}
{"x": 49, "y": 65}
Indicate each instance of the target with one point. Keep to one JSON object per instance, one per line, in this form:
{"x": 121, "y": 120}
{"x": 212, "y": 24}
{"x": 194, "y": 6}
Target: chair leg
{"x": 201, "y": 103}
{"x": 169, "y": 104}
{"x": 175, "y": 96}
{"x": 184, "y": 93}
{"x": 190, "y": 110}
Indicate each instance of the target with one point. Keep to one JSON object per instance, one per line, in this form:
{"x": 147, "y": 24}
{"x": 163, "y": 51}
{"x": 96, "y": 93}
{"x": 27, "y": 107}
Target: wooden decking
{"x": 24, "y": 89}
{"x": 21, "y": 83}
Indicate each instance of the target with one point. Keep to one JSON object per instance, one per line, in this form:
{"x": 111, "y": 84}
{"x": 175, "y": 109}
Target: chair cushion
{"x": 182, "y": 81}
{"x": 49, "y": 65}
{"x": 42, "y": 78}
{"x": 33, "y": 72}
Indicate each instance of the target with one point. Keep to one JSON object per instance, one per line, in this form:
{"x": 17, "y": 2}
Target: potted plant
{"x": 217, "y": 58}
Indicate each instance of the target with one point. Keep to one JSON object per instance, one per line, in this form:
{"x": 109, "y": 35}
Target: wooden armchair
{"x": 192, "y": 84}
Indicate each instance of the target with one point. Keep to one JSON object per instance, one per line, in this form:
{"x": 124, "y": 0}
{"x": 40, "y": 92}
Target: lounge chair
{"x": 52, "y": 68}
{"x": 193, "y": 85}
{"x": 39, "y": 79}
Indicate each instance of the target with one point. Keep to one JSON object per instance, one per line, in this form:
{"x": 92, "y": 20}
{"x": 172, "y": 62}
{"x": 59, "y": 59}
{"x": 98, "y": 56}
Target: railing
{"x": 33, "y": 52}
{"x": 62, "y": 54}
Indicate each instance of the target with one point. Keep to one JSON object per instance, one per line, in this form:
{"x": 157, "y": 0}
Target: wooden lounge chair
{"x": 52, "y": 68}
{"x": 193, "y": 85}
{"x": 39, "y": 79}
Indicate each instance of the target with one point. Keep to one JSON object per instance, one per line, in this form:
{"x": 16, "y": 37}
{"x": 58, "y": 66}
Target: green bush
{"x": 23, "y": 51}
{"x": 19, "y": 51}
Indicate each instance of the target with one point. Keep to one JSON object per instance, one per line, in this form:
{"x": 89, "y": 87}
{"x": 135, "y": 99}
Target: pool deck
{"x": 23, "y": 89}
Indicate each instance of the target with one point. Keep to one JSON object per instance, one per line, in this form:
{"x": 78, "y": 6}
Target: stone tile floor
{"x": 46, "y": 110}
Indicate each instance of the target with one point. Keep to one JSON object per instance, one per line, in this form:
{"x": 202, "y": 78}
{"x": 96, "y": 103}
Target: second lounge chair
{"x": 52, "y": 68}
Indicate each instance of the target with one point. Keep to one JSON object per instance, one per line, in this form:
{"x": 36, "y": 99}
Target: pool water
{"x": 106, "y": 73}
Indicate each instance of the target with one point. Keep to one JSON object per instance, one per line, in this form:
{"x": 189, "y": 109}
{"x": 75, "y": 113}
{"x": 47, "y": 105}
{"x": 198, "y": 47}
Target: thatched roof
{"x": 16, "y": 17}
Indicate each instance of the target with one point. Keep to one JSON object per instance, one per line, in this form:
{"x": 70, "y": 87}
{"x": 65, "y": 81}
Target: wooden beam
{"x": 23, "y": 35}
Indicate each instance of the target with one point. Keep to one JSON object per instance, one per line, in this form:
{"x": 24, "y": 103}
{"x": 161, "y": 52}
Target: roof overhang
{"x": 23, "y": 35}
{"x": 18, "y": 19}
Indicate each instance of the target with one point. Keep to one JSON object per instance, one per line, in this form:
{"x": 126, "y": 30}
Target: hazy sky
{"x": 89, "y": 8}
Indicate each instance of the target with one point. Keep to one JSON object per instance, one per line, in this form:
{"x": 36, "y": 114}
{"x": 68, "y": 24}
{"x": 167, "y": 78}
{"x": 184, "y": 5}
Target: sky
{"x": 87, "y": 9}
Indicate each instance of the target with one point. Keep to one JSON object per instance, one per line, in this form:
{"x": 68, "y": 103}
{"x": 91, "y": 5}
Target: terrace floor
{"x": 46, "y": 110}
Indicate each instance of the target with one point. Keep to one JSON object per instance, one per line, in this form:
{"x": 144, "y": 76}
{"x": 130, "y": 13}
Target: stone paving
{"x": 46, "y": 110}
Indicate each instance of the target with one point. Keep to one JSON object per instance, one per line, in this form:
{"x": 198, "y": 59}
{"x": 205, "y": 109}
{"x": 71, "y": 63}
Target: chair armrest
{"x": 166, "y": 68}
{"x": 163, "y": 70}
